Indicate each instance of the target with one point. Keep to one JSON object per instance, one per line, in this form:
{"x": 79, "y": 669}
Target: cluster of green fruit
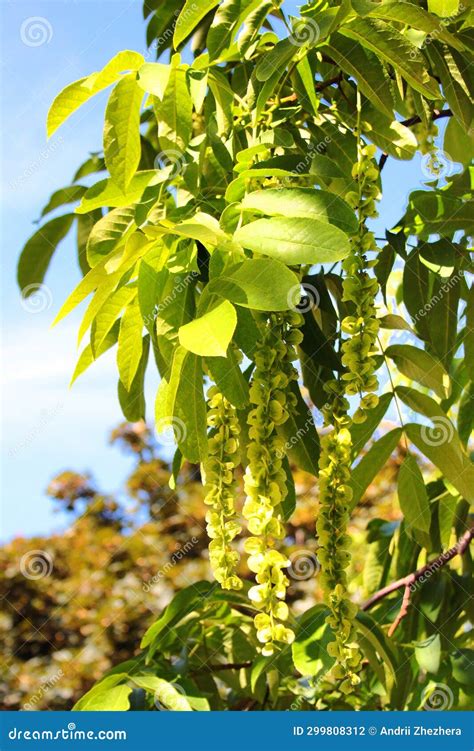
{"x": 359, "y": 290}
{"x": 223, "y": 458}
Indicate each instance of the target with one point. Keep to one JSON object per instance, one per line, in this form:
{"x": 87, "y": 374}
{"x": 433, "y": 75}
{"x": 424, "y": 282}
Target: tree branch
{"x": 222, "y": 666}
{"x": 437, "y": 115}
{"x": 425, "y": 572}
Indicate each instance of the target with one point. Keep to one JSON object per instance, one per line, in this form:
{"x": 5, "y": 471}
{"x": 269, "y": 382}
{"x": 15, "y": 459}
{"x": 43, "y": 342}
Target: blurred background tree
{"x": 77, "y": 603}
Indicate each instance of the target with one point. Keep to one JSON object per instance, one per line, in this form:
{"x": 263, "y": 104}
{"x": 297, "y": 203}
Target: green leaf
{"x": 153, "y": 78}
{"x": 454, "y": 88}
{"x": 164, "y": 692}
{"x": 393, "y": 47}
{"x": 63, "y": 196}
{"x": 229, "y": 379}
{"x": 428, "y": 653}
{"x": 224, "y": 97}
{"x": 412, "y": 495}
{"x": 85, "y": 224}
{"x": 420, "y": 366}
{"x": 469, "y": 337}
{"x": 260, "y": 284}
{"x": 107, "y": 193}
{"x": 299, "y": 432}
{"x": 288, "y": 503}
{"x": 276, "y": 60}
{"x": 181, "y": 605}
{"x": 294, "y": 241}
{"x": 38, "y": 251}
{"x": 371, "y": 631}
{"x": 75, "y": 94}
{"x": 180, "y": 404}
{"x": 191, "y": 14}
{"x": 391, "y": 321}
{"x": 388, "y": 134}
{"x": 109, "y": 312}
{"x": 190, "y": 411}
{"x": 466, "y": 413}
{"x": 367, "y": 70}
{"x": 303, "y": 202}
{"x": 362, "y": 432}
{"x": 416, "y": 290}
{"x": 409, "y": 14}
{"x": 370, "y": 464}
{"x": 458, "y": 144}
{"x": 228, "y": 19}
{"x": 444, "y": 8}
{"x": 122, "y": 146}
{"x": 308, "y": 651}
{"x": 444, "y": 452}
{"x": 132, "y": 400}
{"x": 211, "y": 333}
{"x": 442, "y": 321}
{"x": 130, "y": 344}
{"x": 108, "y": 233}
{"x": 106, "y": 696}
{"x": 307, "y": 94}
{"x": 174, "y": 113}
{"x": 87, "y": 356}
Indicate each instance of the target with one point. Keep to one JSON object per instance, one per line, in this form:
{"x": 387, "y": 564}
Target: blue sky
{"x": 46, "y": 427}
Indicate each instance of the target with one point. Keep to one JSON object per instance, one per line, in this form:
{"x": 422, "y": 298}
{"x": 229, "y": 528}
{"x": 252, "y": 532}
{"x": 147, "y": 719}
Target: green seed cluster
{"x": 223, "y": 458}
{"x": 265, "y": 480}
{"x": 360, "y": 288}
